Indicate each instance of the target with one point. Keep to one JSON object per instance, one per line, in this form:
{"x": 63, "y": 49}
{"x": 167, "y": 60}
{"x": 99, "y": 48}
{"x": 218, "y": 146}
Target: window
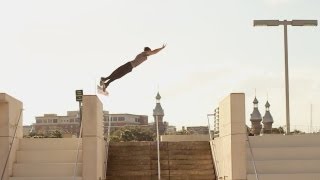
{"x": 120, "y": 118}
{"x": 45, "y": 121}
{"x": 136, "y": 119}
{"x": 71, "y": 120}
{"x": 49, "y": 120}
{"x": 39, "y": 121}
{"x": 55, "y": 120}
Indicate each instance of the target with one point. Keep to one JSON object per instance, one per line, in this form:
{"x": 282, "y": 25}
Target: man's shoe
{"x": 102, "y": 79}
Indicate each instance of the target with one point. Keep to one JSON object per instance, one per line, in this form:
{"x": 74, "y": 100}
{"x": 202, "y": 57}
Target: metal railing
{"x": 107, "y": 143}
{"x": 252, "y": 158}
{"x": 78, "y": 148}
{"x": 11, "y": 144}
{"x": 212, "y": 145}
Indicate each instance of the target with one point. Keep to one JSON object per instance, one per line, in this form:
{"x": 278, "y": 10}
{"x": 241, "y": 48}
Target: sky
{"x": 49, "y": 49}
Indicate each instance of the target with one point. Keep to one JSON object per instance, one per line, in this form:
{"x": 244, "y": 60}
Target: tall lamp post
{"x": 285, "y": 24}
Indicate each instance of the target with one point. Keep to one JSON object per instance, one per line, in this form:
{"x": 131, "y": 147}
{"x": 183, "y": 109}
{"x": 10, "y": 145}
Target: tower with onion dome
{"x": 267, "y": 120}
{"x": 158, "y": 114}
{"x": 256, "y": 118}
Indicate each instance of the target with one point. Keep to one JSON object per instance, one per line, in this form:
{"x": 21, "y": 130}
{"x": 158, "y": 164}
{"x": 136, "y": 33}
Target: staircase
{"x": 47, "y": 159}
{"x": 279, "y": 157}
{"x": 179, "y": 161}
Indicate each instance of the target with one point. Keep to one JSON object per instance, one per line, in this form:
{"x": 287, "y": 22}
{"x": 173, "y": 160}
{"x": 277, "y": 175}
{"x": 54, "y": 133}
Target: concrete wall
{"x": 229, "y": 149}
{"x": 10, "y": 113}
{"x": 93, "y": 144}
{"x": 177, "y": 138}
{"x": 279, "y": 157}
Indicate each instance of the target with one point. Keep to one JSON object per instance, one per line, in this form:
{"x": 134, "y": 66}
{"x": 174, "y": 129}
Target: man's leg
{"x": 118, "y": 73}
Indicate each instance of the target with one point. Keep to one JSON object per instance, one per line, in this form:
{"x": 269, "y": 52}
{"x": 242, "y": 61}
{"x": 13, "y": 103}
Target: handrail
{"x": 78, "y": 149}
{"x": 79, "y": 138}
{"x": 11, "y": 144}
{"x": 214, "y": 158}
{"x": 252, "y": 158}
{"x": 107, "y": 150}
{"x": 212, "y": 146}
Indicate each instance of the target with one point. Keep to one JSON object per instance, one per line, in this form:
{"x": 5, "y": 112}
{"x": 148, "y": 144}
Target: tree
{"x": 278, "y": 130}
{"x": 296, "y": 131}
{"x": 132, "y": 133}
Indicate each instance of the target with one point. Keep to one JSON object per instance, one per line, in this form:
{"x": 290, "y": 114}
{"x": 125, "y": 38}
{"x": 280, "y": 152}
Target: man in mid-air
{"x": 127, "y": 67}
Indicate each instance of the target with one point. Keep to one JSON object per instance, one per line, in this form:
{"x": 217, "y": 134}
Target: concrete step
{"x": 129, "y": 167}
{"x": 155, "y": 177}
{"x": 284, "y": 166}
{"x": 45, "y": 178}
{"x": 137, "y": 173}
{"x": 122, "y": 158}
{"x": 285, "y": 153}
{"x": 191, "y": 157}
{"x": 128, "y": 162}
{"x": 296, "y": 176}
{"x": 193, "y": 177}
{"x": 191, "y": 152}
{"x": 186, "y": 162}
{"x": 191, "y": 172}
{"x": 192, "y": 145}
{"x": 48, "y": 156}
{"x": 127, "y": 152}
{"x": 163, "y": 173}
{"x": 285, "y": 141}
{"x": 26, "y": 144}
{"x": 192, "y": 167}
{"x": 46, "y": 169}
{"x": 150, "y": 177}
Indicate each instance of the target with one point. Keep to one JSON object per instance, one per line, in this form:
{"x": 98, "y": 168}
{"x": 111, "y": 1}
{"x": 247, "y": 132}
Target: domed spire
{"x": 256, "y": 118}
{"x": 267, "y": 105}
{"x": 158, "y": 111}
{"x": 267, "y": 118}
{"x": 255, "y": 115}
{"x": 158, "y": 97}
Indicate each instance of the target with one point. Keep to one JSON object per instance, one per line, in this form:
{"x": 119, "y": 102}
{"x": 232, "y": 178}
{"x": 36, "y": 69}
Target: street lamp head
{"x": 266, "y": 22}
{"x": 304, "y": 22}
{"x": 285, "y": 22}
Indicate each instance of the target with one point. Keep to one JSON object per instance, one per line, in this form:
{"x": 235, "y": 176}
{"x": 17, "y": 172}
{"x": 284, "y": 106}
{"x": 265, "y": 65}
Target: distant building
{"x": 120, "y": 120}
{"x": 70, "y": 124}
{"x": 171, "y": 130}
{"x": 27, "y": 130}
{"x": 198, "y": 129}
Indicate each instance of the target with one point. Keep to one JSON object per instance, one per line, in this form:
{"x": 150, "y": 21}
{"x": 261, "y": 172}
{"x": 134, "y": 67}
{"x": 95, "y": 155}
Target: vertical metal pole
{"x": 286, "y": 76}
{"x": 79, "y": 139}
{"x": 158, "y": 148}
{"x": 311, "y": 129}
{"x": 80, "y": 115}
{"x": 210, "y": 137}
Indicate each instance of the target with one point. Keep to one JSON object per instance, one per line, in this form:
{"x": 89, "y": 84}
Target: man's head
{"x": 147, "y": 49}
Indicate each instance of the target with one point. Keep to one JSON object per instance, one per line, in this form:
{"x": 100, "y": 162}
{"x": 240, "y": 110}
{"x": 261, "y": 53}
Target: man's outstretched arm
{"x": 155, "y": 51}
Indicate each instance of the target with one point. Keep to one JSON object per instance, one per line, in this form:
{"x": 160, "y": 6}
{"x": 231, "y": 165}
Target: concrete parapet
{"x": 229, "y": 149}
{"x": 92, "y": 138}
{"x": 10, "y": 118}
